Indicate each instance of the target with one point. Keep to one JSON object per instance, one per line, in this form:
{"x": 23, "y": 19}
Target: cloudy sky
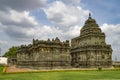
{"x": 23, "y": 20}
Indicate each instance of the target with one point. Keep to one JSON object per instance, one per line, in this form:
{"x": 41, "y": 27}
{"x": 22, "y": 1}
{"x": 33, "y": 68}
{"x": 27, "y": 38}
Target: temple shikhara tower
{"x": 90, "y": 49}
{"x": 87, "y": 50}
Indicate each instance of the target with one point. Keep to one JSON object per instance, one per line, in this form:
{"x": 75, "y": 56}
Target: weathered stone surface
{"x": 44, "y": 54}
{"x": 90, "y": 49}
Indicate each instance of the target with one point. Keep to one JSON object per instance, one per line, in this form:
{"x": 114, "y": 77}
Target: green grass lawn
{"x": 68, "y": 75}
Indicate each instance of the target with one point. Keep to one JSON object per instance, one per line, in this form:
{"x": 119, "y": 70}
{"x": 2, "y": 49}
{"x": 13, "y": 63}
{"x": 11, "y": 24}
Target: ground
{"x": 63, "y": 75}
{"x": 14, "y": 69}
{"x": 24, "y": 74}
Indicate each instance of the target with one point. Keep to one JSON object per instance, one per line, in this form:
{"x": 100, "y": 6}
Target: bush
{"x": 99, "y": 68}
{"x": 1, "y": 68}
{"x": 4, "y": 69}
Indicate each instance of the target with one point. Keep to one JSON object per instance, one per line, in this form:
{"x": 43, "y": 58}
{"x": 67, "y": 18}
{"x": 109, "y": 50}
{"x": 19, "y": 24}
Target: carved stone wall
{"x": 90, "y": 49}
{"x": 46, "y": 54}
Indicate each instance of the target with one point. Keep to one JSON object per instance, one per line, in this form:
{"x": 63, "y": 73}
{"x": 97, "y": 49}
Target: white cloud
{"x": 16, "y": 24}
{"x": 72, "y": 32}
{"x": 17, "y": 18}
{"x": 73, "y": 2}
{"x": 112, "y": 32}
{"x": 3, "y": 42}
{"x": 44, "y": 32}
{"x": 22, "y": 27}
{"x": 22, "y": 16}
{"x": 3, "y": 46}
{"x": 65, "y": 15}
{"x": 113, "y": 37}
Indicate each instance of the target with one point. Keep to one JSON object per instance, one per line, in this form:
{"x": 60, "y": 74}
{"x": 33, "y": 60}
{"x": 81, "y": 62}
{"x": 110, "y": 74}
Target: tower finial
{"x": 89, "y": 14}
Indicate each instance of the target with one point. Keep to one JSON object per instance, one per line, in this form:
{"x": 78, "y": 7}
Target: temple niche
{"x": 44, "y": 54}
{"x": 90, "y": 49}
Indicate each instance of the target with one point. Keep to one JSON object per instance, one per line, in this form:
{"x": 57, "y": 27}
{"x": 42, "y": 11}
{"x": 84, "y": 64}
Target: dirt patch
{"x": 14, "y": 69}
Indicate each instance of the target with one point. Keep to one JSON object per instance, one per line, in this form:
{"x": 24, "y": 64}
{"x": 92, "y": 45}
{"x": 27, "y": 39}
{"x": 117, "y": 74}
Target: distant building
{"x": 90, "y": 49}
{"x": 3, "y": 60}
{"x": 87, "y": 50}
{"x": 116, "y": 64}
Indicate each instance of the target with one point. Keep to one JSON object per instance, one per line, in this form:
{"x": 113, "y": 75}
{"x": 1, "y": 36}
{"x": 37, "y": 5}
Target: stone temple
{"x": 87, "y": 50}
{"x": 90, "y": 49}
{"x": 45, "y": 54}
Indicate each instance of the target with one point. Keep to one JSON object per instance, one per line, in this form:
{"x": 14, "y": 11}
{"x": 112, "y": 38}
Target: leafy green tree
{"x": 12, "y": 52}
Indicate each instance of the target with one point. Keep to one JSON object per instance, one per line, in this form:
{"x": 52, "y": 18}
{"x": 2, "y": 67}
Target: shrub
{"x": 99, "y": 68}
{"x": 1, "y": 68}
{"x": 4, "y": 69}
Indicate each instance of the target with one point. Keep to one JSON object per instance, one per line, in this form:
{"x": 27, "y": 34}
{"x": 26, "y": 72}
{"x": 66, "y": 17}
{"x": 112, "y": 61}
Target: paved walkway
{"x": 14, "y": 69}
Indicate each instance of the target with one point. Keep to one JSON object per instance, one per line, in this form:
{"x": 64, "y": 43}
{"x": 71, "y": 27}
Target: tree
{"x": 11, "y": 53}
